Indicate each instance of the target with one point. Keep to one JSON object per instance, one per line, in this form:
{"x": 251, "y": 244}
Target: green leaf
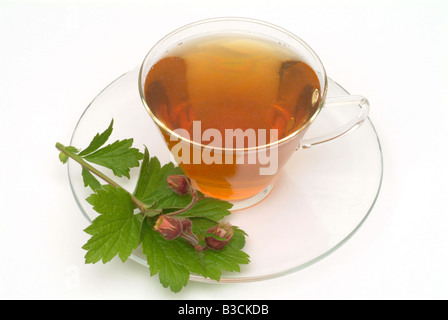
{"x": 117, "y": 230}
{"x": 110, "y": 200}
{"x": 90, "y": 180}
{"x": 175, "y": 260}
{"x": 171, "y": 260}
{"x": 228, "y": 259}
{"x": 64, "y": 158}
{"x": 118, "y": 156}
{"x": 152, "y": 184}
{"x": 98, "y": 141}
{"x": 72, "y": 149}
{"x": 211, "y": 208}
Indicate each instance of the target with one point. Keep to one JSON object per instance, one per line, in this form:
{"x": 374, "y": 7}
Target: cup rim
{"x": 223, "y": 149}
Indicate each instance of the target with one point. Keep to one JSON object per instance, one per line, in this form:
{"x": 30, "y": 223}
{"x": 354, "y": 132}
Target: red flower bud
{"x": 186, "y": 225}
{"x": 170, "y": 228}
{"x": 179, "y": 184}
{"x": 221, "y": 236}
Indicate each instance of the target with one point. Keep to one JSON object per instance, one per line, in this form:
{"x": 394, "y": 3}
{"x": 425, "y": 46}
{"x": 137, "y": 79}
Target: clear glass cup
{"x": 244, "y": 175}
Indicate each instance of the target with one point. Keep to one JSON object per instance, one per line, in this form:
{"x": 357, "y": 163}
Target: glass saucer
{"x": 321, "y": 198}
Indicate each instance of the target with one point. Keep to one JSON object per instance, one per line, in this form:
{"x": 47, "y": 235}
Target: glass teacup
{"x": 233, "y": 99}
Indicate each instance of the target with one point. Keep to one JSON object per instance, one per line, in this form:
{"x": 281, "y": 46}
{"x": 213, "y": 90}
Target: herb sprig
{"x": 180, "y": 231}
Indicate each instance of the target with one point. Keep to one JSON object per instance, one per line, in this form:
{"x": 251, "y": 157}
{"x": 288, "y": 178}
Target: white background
{"x": 55, "y": 56}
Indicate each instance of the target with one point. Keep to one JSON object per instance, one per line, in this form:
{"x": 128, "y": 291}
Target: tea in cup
{"x": 233, "y": 99}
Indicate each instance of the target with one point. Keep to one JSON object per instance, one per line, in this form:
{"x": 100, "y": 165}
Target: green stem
{"x": 142, "y": 207}
{"x": 191, "y": 205}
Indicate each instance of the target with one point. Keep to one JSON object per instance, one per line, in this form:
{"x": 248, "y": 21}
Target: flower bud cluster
{"x": 171, "y": 226}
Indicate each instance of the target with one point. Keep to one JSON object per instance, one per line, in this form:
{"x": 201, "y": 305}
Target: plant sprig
{"x": 179, "y": 230}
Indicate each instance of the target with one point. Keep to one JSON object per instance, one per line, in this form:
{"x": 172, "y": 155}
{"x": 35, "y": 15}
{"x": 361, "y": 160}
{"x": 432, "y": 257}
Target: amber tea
{"x": 229, "y": 82}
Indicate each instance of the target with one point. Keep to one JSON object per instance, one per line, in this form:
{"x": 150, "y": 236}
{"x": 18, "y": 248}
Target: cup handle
{"x": 349, "y": 127}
